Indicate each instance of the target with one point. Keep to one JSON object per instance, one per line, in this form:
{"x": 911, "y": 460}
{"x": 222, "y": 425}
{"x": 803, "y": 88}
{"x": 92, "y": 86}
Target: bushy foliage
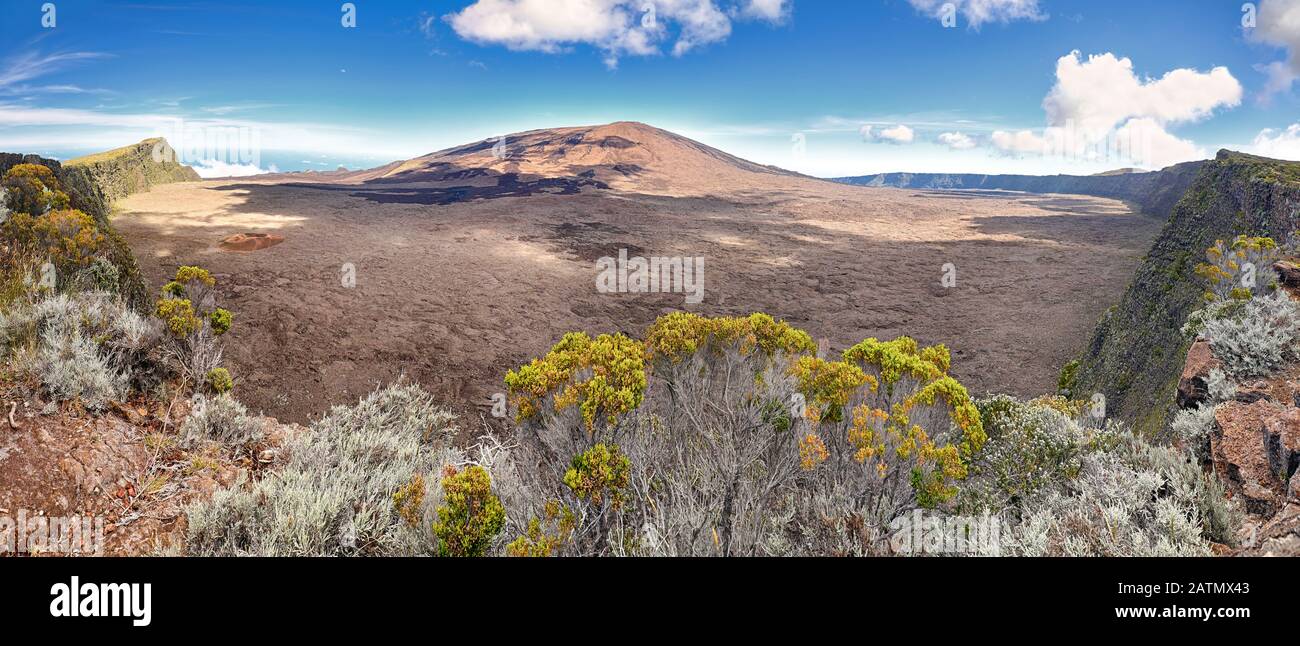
{"x": 1240, "y": 269}
{"x": 733, "y": 439}
{"x": 32, "y": 189}
{"x": 219, "y": 419}
{"x": 88, "y": 347}
{"x": 1031, "y": 446}
{"x": 1067, "y": 489}
{"x": 1191, "y": 428}
{"x": 1258, "y": 338}
{"x": 67, "y": 238}
{"x": 366, "y": 480}
{"x": 472, "y": 516}
{"x": 602, "y": 377}
{"x": 1136, "y": 499}
{"x": 188, "y": 309}
{"x": 219, "y": 380}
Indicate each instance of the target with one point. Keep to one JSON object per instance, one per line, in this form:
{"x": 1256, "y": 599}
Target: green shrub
{"x": 219, "y": 380}
{"x": 472, "y": 515}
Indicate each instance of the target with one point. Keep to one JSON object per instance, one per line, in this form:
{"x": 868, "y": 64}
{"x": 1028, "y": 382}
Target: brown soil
{"x": 467, "y": 271}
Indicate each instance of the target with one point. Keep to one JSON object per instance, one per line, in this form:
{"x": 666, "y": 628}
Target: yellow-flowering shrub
{"x": 599, "y": 474}
{"x": 603, "y": 377}
{"x": 472, "y": 515}
{"x": 178, "y": 315}
{"x": 680, "y": 334}
{"x": 1239, "y": 269}
{"x": 33, "y": 189}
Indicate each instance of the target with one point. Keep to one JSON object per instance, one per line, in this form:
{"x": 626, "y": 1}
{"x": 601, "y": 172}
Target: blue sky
{"x": 795, "y": 83}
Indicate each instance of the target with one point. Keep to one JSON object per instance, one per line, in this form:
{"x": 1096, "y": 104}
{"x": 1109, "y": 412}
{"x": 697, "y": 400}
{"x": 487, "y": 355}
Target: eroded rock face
{"x": 1192, "y": 388}
{"x": 1256, "y": 449}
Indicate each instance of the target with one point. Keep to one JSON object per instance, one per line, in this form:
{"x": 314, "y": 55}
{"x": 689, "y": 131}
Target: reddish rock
{"x": 1253, "y": 448}
{"x": 250, "y": 241}
{"x": 1192, "y": 388}
{"x": 1288, "y": 271}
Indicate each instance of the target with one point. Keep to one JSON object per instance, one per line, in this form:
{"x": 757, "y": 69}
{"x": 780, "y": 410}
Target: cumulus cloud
{"x": 979, "y": 12}
{"x": 956, "y": 141}
{"x": 617, "y": 27}
{"x": 1099, "y": 108}
{"x": 898, "y": 135}
{"x": 1278, "y": 144}
{"x": 769, "y": 10}
{"x": 209, "y": 168}
{"x": 1278, "y": 24}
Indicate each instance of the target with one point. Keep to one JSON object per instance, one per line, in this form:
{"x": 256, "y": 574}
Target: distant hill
{"x": 1153, "y": 192}
{"x": 624, "y": 155}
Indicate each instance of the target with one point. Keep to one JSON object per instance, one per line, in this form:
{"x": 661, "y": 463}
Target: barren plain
{"x": 469, "y": 262}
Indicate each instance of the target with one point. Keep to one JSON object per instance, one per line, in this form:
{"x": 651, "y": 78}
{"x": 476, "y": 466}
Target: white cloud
{"x": 1278, "y": 144}
{"x": 1023, "y": 142}
{"x": 1278, "y": 24}
{"x": 979, "y": 12}
{"x": 769, "y": 10}
{"x": 617, "y": 27}
{"x": 956, "y": 141}
{"x": 1097, "y": 94}
{"x": 209, "y": 168}
{"x": 1100, "y": 109}
{"x": 30, "y": 65}
{"x": 898, "y": 135}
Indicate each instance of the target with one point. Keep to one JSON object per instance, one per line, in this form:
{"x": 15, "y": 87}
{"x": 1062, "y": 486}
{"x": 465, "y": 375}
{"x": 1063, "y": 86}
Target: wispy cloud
{"x": 26, "y": 66}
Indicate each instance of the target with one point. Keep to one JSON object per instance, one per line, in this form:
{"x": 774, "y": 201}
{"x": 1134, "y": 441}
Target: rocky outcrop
{"x": 132, "y": 169}
{"x": 1155, "y": 193}
{"x": 1255, "y": 452}
{"x": 1256, "y": 449}
{"x": 1193, "y": 386}
{"x": 1136, "y": 355}
{"x": 123, "y": 469}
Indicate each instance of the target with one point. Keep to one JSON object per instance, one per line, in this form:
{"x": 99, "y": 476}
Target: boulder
{"x": 1192, "y": 388}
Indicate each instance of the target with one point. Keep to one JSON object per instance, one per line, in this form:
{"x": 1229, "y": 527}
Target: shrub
{"x": 717, "y": 453}
{"x": 472, "y": 515}
{"x": 1259, "y": 338}
{"x": 1031, "y": 447}
{"x": 1137, "y": 499}
{"x": 220, "y": 320}
{"x": 86, "y": 346}
{"x": 335, "y": 496}
{"x": 179, "y": 316}
{"x": 188, "y": 308}
{"x": 70, "y": 239}
{"x": 219, "y": 380}
{"x": 1239, "y": 270}
{"x": 220, "y": 419}
{"x": 71, "y": 368}
{"x": 99, "y": 276}
{"x": 33, "y": 189}
{"x": 1191, "y": 428}
{"x": 604, "y": 378}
